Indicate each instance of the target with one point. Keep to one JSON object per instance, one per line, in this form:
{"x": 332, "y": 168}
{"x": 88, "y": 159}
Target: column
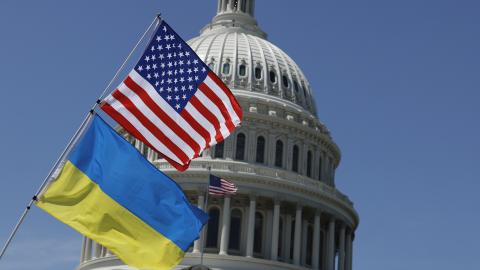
{"x": 341, "y": 248}
{"x": 331, "y": 245}
{"x": 288, "y": 237}
{"x": 82, "y": 254}
{"x": 297, "y": 236}
{"x": 225, "y": 227}
{"x": 88, "y": 249}
{"x": 251, "y": 226}
{"x": 348, "y": 257}
{"x": 316, "y": 241}
{"x": 275, "y": 230}
{"x": 224, "y": 5}
{"x": 267, "y": 249}
{"x": 197, "y": 245}
{"x": 241, "y": 5}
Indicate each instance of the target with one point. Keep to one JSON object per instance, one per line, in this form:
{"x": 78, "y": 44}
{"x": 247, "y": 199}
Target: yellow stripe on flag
{"x": 79, "y": 202}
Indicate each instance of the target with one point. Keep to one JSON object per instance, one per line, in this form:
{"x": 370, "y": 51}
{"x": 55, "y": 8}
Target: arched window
{"x": 295, "y": 158}
{"x": 285, "y": 81}
{"x": 242, "y": 70}
{"x": 258, "y": 233}
{"x": 273, "y": 76}
{"x": 240, "y": 149}
{"x": 279, "y": 154}
{"x": 309, "y": 245}
{"x": 226, "y": 68}
{"x": 260, "y": 149}
{"x": 218, "y": 153}
{"x": 258, "y": 73}
{"x": 235, "y": 230}
{"x": 320, "y": 164}
{"x": 309, "y": 163}
{"x": 212, "y": 229}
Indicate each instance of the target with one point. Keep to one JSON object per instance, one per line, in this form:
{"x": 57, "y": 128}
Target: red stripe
{"x": 195, "y": 125}
{"x": 160, "y": 113}
{"x": 236, "y": 107}
{"x": 132, "y": 130}
{"x": 128, "y": 104}
{"x": 210, "y": 117}
{"x": 217, "y": 101}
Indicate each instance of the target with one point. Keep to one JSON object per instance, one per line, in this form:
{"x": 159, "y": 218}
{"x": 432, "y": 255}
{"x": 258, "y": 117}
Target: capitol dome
{"x": 287, "y": 214}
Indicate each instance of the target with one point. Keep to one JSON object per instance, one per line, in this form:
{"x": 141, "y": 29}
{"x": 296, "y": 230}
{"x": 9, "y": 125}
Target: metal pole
{"x": 206, "y": 209}
{"x": 72, "y": 142}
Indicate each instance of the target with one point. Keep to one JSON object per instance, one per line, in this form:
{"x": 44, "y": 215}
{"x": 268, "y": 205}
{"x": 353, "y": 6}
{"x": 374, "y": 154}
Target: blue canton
{"x": 172, "y": 67}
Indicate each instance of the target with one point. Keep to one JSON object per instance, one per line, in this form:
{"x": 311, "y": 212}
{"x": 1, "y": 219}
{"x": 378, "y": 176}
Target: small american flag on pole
{"x": 172, "y": 101}
{"x": 221, "y": 187}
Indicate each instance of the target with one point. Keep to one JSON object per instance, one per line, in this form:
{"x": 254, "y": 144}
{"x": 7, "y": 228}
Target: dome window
{"x": 295, "y": 85}
{"x": 226, "y": 68}
{"x": 218, "y": 153}
{"x": 258, "y": 73}
{"x": 260, "y": 158}
{"x": 240, "y": 151}
{"x": 309, "y": 164}
{"x": 295, "y": 158}
{"x": 279, "y": 154}
{"x": 285, "y": 81}
{"x": 242, "y": 70}
{"x": 273, "y": 77}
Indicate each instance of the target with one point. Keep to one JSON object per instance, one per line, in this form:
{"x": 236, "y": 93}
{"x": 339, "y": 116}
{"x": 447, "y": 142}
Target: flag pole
{"x": 74, "y": 139}
{"x": 206, "y": 209}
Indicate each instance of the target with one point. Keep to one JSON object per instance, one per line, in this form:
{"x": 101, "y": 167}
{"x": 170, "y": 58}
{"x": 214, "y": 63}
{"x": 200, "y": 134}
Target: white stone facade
{"x": 282, "y": 158}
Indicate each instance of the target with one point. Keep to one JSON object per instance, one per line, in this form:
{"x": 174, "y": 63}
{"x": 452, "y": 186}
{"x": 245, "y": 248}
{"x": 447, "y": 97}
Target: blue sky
{"x": 396, "y": 82}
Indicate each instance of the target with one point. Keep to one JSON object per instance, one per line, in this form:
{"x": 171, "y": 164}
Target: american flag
{"x": 173, "y": 102}
{"x": 220, "y": 187}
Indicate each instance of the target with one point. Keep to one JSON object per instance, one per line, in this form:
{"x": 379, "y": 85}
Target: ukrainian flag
{"x": 110, "y": 193}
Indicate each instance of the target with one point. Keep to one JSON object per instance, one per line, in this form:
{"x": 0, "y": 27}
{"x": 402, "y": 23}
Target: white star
{"x": 177, "y": 98}
{"x": 184, "y": 96}
{"x": 175, "y": 89}
{"x": 147, "y": 58}
{"x": 156, "y": 75}
{"x": 181, "y": 71}
{"x": 190, "y": 79}
{"x": 162, "y": 65}
{"x": 169, "y": 81}
{"x": 164, "y": 29}
{"x": 182, "y": 79}
{"x": 180, "y": 54}
{"x": 172, "y": 37}
{"x": 180, "y": 62}
{"x": 195, "y": 69}
{"x": 204, "y": 69}
{"x": 157, "y": 83}
{"x": 149, "y": 76}
{"x": 177, "y": 106}
{"x": 167, "y": 37}
{"x": 161, "y": 56}
{"x": 154, "y": 66}
{"x": 169, "y": 64}
{"x": 196, "y": 78}
{"x": 195, "y": 61}
{"x": 159, "y": 38}
{"x": 152, "y": 49}
{"x": 189, "y": 63}
{"x": 148, "y": 67}
{"x": 161, "y": 89}
{"x": 184, "y": 88}
{"x": 140, "y": 68}
{"x": 179, "y": 45}
{"x": 187, "y": 53}
{"x": 169, "y": 89}
{"x": 189, "y": 71}
{"x": 169, "y": 55}
{"x": 190, "y": 87}
{"x": 169, "y": 72}
{"x": 153, "y": 57}
{"x": 168, "y": 47}
{"x": 160, "y": 47}
{"x": 169, "y": 98}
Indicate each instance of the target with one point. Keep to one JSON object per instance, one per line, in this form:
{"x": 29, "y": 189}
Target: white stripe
{"x": 152, "y": 93}
{"x": 145, "y": 110}
{"x": 226, "y": 101}
{"x": 158, "y": 145}
{"x": 212, "y": 107}
{"x": 202, "y": 121}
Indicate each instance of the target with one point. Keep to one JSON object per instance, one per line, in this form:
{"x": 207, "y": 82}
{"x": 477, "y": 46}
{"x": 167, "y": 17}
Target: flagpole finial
{"x": 159, "y": 16}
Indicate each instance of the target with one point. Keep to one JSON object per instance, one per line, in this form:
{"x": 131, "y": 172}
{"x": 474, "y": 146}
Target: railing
{"x": 253, "y": 169}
